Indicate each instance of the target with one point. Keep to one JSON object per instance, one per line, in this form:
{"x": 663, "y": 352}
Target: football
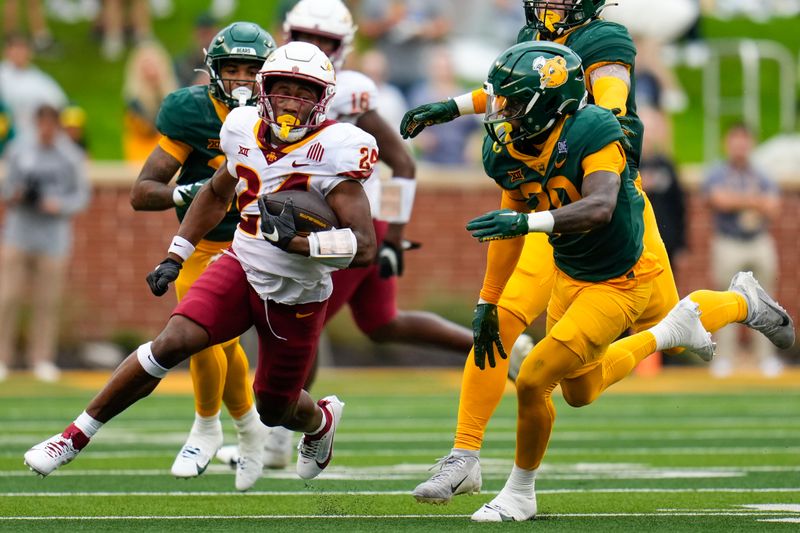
{"x": 311, "y": 211}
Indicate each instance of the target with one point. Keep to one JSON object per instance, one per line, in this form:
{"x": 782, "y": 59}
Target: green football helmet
{"x": 553, "y": 17}
{"x": 240, "y": 41}
{"x": 530, "y": 86}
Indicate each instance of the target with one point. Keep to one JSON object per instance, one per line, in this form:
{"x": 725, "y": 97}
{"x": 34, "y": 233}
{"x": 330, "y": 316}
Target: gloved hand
{"x": 498, "y": 224}
{"x": 486, "y": 335}
{"x": 183, "y": 195}
{"x": 415, "y": 120}
{"x": 390, "y": 260}
{"x": 165, "y": 273}
{"x": 278, "y": 230}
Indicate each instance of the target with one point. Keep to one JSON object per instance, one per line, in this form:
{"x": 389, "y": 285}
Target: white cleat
{"x": 316, "y": 451}
{"x": 200, "y": 448}
{"x": 764, "y": 314}
{"x": 458, "y": 474}
{"x": 687, "y": 330}
{"x": 522, "y": 347}
{"x": 250, "y": 462}
{"x": 507, "y": 507}
{"x": 278, "y": 447}
{"x": 48, "y": 455}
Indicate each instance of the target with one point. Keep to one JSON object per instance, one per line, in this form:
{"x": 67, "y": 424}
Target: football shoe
{"x": 56, "y": 451}
{"x": 316, "y": 451}
{"x": 458, "y": 474}
{"x": 200, "y": 448}
{"x": 507, "y": 507}
{"x": 764, "y": 314}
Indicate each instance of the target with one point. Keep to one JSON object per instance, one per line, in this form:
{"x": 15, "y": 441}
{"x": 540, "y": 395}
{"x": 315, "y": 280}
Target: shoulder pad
{"x": 603, "y": 41}
{"x": 238, "y": 127}
{"x": 350, "y": 151}
{"x": 176, "y": 107}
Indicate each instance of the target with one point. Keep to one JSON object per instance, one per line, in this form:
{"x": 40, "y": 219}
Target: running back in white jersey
{"x": 356, "y": 94}
{"x": 319, "y": 162}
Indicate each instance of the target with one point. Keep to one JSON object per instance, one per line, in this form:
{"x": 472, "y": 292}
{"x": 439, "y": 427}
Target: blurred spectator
{"x": 73, "y": 120}
{"x": 149, "y": 77}
{"x": 405, "y": 31}
{"x": 45, "y": 186}
{"x": 444, "y": 144}
{"x": 660, "y": 182}
{"x": 38, "y": 28}
{"x": 187, "y": 64}
{"x": 743, "y": 202}
{"x": 653, "y": 25}
{"x": 114, "y": 24}
{"x": 23, "y": 86}
{"x": 391, "y": 104}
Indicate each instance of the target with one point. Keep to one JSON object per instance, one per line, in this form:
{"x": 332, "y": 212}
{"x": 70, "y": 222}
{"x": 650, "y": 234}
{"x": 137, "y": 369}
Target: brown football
{"x": 311, "y": 211}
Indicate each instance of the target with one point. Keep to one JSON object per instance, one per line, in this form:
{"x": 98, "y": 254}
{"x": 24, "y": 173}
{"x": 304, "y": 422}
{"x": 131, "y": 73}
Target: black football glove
{"x": 278, "y": 230}
{"x": 390, "y": 260}
{"x": 486, "y": 335}
{"x": 165, "y": 273}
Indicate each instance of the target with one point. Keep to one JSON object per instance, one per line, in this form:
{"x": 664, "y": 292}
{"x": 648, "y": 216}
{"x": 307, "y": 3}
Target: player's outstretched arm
{"x": 152, "y": 191}
{"x": 415, "y": 120}
{"x": 209, "y": 206}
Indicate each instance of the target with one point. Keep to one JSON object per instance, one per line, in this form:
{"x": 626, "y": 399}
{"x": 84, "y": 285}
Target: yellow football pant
{"x": 220, "y": 372}
{"x": 583, "y": 319}
{"x": 525, "y": 298}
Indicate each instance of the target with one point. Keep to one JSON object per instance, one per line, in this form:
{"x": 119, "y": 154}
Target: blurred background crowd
{"x": 81, "y": 82}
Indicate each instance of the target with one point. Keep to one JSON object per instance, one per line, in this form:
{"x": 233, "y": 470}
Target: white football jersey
{"x": 319, "y": 162}
{"x": 356, "y": 94}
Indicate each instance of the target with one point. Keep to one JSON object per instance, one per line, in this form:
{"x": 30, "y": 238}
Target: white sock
{"x": 664, "y": 336}
{"x": 321, "y": 425}
{"x": 521, "y": 481}
{"x": 206, "y": 424}
{"x": 461, "y": 452}
{"x": 248, "y": 420}
{"x": 88, "y": 425}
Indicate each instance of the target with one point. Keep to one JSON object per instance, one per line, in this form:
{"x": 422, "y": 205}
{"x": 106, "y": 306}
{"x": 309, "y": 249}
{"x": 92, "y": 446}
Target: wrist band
{"x": 465, "y": 104}
{"x": 541, "y": 222}
{"x": 181, "y": 247}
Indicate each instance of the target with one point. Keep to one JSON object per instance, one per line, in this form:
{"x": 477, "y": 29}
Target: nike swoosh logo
{"x": 295, "y": 164}
{"x": 272, "y": 236}
{"x": 303, "y": 315}
{"x": 560, "y": 164}
{"x": 453, "y": 488}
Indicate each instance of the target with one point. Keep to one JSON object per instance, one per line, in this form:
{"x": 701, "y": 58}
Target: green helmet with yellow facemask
{"x": 552, "y": 18}
{"x": 530, "y": 87}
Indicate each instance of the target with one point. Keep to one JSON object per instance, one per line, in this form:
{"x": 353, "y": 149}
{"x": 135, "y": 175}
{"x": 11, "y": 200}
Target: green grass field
{"x": 691, "y": 454}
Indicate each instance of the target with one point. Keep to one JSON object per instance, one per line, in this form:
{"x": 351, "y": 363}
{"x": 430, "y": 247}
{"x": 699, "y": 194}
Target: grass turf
{"x": 694, "y": 455}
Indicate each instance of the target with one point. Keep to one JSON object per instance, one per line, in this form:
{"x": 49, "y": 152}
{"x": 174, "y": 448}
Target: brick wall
{"x": 115, "y": 248}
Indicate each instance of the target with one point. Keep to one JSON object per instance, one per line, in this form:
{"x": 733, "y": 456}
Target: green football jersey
{"x": 193, "y": 118}
{"x": 555, "y": 178}
{"x": 600, "y": 42}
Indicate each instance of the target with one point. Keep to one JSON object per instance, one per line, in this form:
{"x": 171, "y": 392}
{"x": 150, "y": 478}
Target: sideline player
{"x": 190, "y": 120}
{"x": 282, "y": 285}
{"x": 608, "y": 55}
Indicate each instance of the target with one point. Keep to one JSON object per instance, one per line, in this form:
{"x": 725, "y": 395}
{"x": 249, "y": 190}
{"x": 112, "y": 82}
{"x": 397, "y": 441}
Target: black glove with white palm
{"x": 278, "y": 230}
{"x": 486, "y": 335}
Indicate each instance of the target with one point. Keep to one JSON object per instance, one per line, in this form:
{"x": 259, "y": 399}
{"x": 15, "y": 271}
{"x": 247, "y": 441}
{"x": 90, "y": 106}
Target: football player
{"x": 370, "y": 292}
{"x": 551, "y": 153}
{"x": 189, "y": 121}
{"x": 608, "y": 56}
{"x": 271, "y": 277}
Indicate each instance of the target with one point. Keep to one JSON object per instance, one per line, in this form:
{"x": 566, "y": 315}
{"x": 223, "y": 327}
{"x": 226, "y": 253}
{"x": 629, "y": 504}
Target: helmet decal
{"x": 552, "y": 71}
